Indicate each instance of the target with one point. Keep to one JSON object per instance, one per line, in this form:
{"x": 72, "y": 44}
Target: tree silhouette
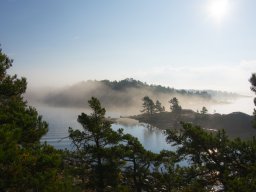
{"x": 204, "y": 111}
{"x": 139, "y": 161}
{"x": 159, "y": 108}
{"x": 148, "y": 105}
{"x": 253, "y": 88}
{"x": 25, "y": 164}
{"x": 96, "y": 147}
{"x": 175, "y": 107}
{"x": 215, "y": 160}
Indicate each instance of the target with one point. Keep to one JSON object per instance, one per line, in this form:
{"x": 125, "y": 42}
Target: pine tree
{"x": 159, "y": 108}
{"x": 216, "y": 160}
{"x": 25, "y": 164}
{"x": 96, "y": 148}
{"x": 253, "y": 88}
{"x": 148, "y": 106}
{"x": 175, "y": 107}
{"x": 139, "y": 162}
{"x": 204, "y": 111}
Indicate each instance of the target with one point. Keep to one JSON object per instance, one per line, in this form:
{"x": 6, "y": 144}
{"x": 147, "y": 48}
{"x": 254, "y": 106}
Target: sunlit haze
{"x": 218, "y": 9}
{"x": 168, "y": 42}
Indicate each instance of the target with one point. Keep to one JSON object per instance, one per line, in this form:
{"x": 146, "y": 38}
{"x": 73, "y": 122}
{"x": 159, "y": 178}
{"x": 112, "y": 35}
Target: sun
{"x": 218, "y": 9}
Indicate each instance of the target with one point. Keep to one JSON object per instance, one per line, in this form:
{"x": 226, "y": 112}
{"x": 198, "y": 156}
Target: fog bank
{"x": 124, "y": 97}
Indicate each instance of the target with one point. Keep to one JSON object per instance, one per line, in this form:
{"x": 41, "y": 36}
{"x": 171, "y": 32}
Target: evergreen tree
{"x": 216, "y": 160}
{"x": 25, "y": 164}
{"x": 175, "y": 107}
{"x": 139, "y": 161}
{"x": 204, "y": 111}
{"x": 159, "y": 108}
{"x": 253, "y": 88}
{"x": 96, "y": 149}
{"x": 148, "y": 106}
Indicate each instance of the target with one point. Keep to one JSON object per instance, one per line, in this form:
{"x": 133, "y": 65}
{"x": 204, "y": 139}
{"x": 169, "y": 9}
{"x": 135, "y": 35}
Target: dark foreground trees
{"x": 104, "y": 159}
{"x": 203, "y": 160}
{"x": 25, "y": 164}
{"x": 253, "y": 88}
{"x": 138, "y": 163}
{"x": 96, "y": 148}
{"x": 216, "y": 162}
{"x": 108, "y": 160}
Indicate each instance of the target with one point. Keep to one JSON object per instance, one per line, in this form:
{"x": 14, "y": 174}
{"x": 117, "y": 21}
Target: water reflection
{"x": 152, "y": 138}
{"x": 61, "y": 118}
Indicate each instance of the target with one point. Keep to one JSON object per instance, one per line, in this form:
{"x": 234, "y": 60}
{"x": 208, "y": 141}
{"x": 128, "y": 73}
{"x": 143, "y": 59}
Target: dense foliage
{"x": 25, "y": 164}
{"x": 148, "y": 106}
{"x": 253, "y": 88}
{"x": 106, "y": 160}
{"x": 215, "y": 161}
{"x": 211, "y": 161}
{"x": 175, "y": 107}
{"x": 132, "y": 83}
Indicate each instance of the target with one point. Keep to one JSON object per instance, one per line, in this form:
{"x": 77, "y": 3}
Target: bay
{"x": 154, "y": 139}
{"x": 60, "y": 119}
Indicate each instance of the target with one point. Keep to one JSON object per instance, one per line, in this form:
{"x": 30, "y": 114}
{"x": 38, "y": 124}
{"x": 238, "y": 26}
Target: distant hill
{"x": 235, "y": 124}
{"x": 126, "y": 95}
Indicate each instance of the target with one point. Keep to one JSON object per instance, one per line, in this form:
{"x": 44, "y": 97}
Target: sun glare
{"x": 218, "y": 9}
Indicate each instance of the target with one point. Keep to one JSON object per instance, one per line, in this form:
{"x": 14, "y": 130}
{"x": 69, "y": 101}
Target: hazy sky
{"x": 199, "y": 44}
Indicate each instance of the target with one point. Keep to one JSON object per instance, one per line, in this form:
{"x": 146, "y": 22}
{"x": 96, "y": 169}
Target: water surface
{"x": 60, "y": 119}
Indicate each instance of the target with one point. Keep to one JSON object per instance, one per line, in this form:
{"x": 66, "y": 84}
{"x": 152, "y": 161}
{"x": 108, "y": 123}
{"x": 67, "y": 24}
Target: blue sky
{"x": 177, "y": 43}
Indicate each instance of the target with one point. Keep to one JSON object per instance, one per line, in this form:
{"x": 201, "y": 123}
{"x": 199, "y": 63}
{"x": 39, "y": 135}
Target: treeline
{"x": 123, "y": 96}
{"x": 107, "y": 160}
{"x": 118, "y": 95}
{"x": 132, "y": 83}
{"x": 150, "y": 107}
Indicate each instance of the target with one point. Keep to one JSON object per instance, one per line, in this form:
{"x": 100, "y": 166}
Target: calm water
{"x": 61, "y": 118}
{"x": 153, "y": 139}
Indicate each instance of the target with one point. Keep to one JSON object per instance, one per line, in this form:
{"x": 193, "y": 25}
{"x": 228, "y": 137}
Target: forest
{"x": 108, "y": 160}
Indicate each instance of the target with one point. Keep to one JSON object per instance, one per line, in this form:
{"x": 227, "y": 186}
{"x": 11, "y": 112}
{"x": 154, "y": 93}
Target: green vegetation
{"x": 124, "y": 95}
{"x": 235, "y": 124}
{"x": 159, "y": 107}
{"x": 132, "y": 83}
{"x": 108, "y": 160}
{"x": 175, "y": 107}
{"x": 148, "y": 105}
{"x": 96, "y": 149}
{"x": 25, "y": 164}
{"x": 204, "y": 111}
{"x": 253, "y": 88}
{"x": 105, "y": 159}
{"x": 216, "y": 160}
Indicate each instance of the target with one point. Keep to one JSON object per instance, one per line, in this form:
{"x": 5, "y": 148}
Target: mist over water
{"x": 61, "y": 118}
{"x": 125, "y": 97}
{"x": 61, "y": 107}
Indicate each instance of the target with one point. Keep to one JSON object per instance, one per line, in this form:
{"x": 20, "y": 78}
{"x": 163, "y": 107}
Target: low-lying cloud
{"x": 125, "y": 101}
